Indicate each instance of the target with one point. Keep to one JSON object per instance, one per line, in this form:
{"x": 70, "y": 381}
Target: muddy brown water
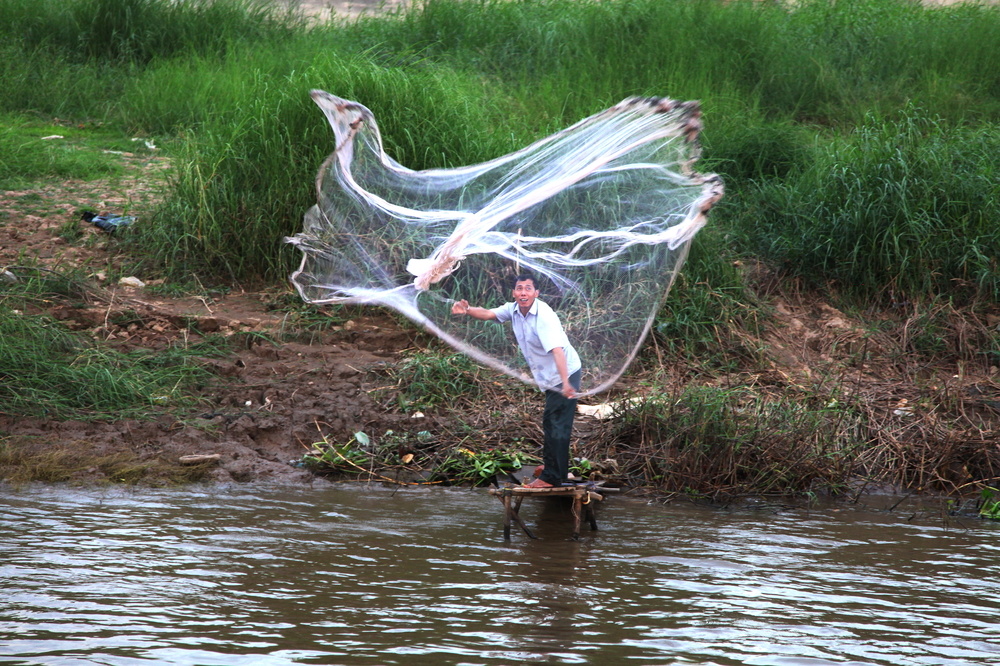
{"x": 355, "y": 574}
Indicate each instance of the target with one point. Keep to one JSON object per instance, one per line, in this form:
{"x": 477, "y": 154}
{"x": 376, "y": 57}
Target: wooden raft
{"x": 584, "y": 496}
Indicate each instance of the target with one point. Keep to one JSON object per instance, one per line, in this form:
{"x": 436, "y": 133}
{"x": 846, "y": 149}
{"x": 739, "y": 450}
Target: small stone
{"x": 132, "y": 281}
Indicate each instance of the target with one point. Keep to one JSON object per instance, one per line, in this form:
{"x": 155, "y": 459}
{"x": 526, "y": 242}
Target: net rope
{"x": 602, "y": 212}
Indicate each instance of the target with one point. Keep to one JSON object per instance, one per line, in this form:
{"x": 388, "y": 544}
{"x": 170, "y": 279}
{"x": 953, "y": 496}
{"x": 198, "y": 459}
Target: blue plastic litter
{"x": 109, "y": 223}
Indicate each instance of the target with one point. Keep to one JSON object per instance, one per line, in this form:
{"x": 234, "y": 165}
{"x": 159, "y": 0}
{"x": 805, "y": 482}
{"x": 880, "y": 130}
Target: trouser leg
{"x": 557, "y": 424}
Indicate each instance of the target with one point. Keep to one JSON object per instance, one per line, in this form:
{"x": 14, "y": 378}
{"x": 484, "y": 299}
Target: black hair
{"x": 521, "y": 277}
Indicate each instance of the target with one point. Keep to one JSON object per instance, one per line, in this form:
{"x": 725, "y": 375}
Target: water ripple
{"x": 355, "y": 575}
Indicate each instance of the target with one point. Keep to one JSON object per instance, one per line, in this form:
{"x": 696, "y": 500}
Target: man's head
{"x": 525, "y": 291}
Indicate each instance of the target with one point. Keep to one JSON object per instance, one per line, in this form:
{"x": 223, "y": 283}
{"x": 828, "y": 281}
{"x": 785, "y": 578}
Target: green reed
{"x": 46, "y": 370}
{"x": 905, "y": 206}
{"x": 793, "y": 98}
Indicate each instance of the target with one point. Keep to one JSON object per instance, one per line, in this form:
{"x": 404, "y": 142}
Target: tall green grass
{"x": 708, "y": 306}
{"x": 73, "y": 58}
{"x": 246, "y": 168}
{"x": 139, "y": 31}
{"x": 904, "y": 206}
{"x": 801, "y": 104}
{"x": 812, "y": 60}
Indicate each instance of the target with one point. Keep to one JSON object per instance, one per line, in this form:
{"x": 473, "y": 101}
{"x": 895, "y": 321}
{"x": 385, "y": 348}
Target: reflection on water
{"x": 366, "y": 575}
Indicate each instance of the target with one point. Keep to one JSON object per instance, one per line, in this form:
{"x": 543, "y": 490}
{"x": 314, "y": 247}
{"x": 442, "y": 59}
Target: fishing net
{"x": 602, "y": 212}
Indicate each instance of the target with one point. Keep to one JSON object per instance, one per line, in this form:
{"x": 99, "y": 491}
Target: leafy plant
{"x": 429, "y": 379}
{"x": 581, "y": 467}
{"x": 479, "y": 467}
{"x": 990, "y": 503}
{"x": 348, "y": 456}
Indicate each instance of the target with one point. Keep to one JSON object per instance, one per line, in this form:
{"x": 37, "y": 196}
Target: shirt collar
{"x": 533, "y": 310}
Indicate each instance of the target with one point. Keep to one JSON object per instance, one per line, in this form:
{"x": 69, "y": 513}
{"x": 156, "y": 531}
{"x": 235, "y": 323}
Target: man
{"x": 554, "y": 364}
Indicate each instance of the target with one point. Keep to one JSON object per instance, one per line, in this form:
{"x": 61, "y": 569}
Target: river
{"x": 355, "y": 574}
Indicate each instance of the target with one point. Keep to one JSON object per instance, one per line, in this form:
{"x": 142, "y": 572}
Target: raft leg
{"x": 577, "y": 509}
{"x": 506, "y": 517}
{"x": 591, "y": 518}
{"x": 516, "y": 515}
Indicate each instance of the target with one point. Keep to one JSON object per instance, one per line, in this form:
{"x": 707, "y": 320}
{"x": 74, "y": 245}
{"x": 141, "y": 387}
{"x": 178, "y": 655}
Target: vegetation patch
{"x": 718, "y": 442}
{"x": 989, "y": 507}
{"x": 32, "y": 151}
{"x": 29, "y": 460}
{"x": 416, "y": 459}
{"x": 48, "y": 370}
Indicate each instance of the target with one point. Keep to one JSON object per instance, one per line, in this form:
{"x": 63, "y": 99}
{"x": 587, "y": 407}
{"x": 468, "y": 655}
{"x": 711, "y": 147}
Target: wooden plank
{"x": 199, "y": 459}
{"x": 562, "y": 490}
{"x": 583, "y": 495}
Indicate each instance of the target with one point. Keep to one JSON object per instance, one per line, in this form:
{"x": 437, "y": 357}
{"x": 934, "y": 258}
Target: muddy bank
{"x": 268, "y": 403}
{"x": 283, "y": 387}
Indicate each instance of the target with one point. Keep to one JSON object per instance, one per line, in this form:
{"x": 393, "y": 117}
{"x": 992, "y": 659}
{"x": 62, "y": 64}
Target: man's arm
{"x": 462, "y": 307}
{"x": 559, "y": 356}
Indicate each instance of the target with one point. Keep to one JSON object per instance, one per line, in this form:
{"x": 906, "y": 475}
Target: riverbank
{"x": 834, "y": 329}
{"x": 296, "y": 380}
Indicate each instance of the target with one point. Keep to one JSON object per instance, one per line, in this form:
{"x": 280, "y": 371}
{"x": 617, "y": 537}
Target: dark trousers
{"x": 557, "y": 424}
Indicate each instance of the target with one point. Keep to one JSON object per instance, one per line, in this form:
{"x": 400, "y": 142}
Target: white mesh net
{"x": 602, "y": 213}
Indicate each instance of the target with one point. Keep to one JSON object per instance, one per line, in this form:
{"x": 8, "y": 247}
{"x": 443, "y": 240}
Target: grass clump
{"x": 902, "y": 208}
{"x": 49, "y": 371}
{"x": 426, "y": 380}
{"x": 720, "y": 442}
{"x": 24, "y": 461}
{"x": 26, "y": 155}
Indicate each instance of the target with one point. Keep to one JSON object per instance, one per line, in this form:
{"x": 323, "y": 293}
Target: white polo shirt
{"x": 538, "y": 333}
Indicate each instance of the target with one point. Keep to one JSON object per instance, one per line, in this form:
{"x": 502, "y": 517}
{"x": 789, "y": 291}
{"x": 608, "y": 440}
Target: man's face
{"x": 525, "y": 294}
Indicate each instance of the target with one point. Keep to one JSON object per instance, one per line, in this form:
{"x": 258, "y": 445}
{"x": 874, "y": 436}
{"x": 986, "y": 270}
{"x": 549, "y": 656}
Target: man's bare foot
{"x": 569, "y": 476}
{"x": 538, "y": 483}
